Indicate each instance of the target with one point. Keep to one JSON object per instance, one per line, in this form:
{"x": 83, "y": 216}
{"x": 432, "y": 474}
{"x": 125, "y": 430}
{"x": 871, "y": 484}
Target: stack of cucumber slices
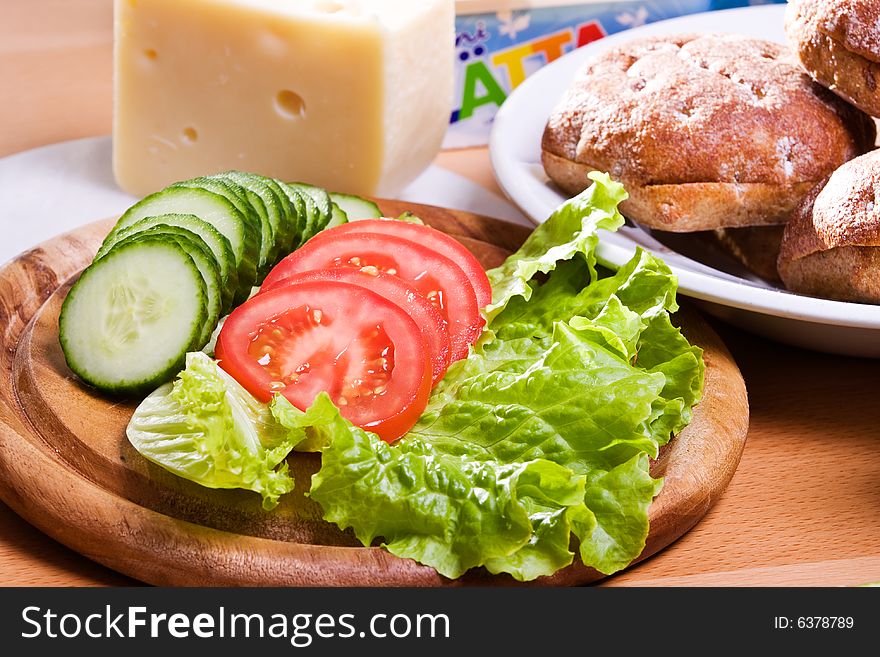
{"x": 178, "y": 261}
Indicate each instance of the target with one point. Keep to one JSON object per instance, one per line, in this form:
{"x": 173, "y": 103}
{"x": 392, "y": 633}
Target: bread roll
{"x": 705, "y": 131}
{"x": 831, "y": 246}
{"x": 838, "y": 42}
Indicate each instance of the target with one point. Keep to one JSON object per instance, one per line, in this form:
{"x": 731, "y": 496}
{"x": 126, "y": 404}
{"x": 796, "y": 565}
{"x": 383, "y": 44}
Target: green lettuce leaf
{"x": 206, "y": 428}
{"x": 572, "y": 229}
{"x": 438, "y": 508}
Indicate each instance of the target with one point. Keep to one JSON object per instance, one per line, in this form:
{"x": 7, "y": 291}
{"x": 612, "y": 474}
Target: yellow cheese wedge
{"x": 351, "y": 95}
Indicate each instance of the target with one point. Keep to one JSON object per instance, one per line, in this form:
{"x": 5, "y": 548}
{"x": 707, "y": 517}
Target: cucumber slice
{"x": 267, "y": 204}
{"x": 217, "y": 243}
{"x": 337, "y": 216}
{"x": 214, "y": 209}
{"x": 289, "y": 212}
{"x": 129, "y": 320}
{"x": 297, "y": 218}
{"x": 196, "y": 248}
{"x": 237, "y": 195}
{"x": 323, "y": 207}
{"x": 307, "y": 213}
{"x": 356, "y": 207}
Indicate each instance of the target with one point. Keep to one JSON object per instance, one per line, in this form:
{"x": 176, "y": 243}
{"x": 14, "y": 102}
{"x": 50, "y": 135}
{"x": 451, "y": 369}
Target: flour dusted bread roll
{"x": 838, "y": 42}
{"x": 831, "y": 246}
{"x": 705, "y": 131}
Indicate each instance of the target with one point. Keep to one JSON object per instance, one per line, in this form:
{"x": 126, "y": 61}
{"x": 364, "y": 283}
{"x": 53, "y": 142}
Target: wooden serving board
{"x": 67, "y": 467}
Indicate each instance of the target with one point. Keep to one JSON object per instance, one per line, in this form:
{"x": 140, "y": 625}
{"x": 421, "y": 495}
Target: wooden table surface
{"x": 803, "y": 508}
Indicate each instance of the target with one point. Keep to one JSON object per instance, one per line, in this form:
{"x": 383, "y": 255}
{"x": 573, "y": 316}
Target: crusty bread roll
{"x": 838, "y": 42}
{"x": 831, "y": 246}
{"x": 705, "y": 131}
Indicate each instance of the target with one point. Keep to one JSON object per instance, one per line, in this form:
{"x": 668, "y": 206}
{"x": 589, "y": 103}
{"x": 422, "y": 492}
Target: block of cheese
{"x": 351, "y": 95}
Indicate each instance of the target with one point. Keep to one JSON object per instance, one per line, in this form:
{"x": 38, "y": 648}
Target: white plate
{"x": 725, "y": 288}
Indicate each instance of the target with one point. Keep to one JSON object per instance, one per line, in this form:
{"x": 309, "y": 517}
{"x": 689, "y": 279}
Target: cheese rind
{"x": 352, "y": 95}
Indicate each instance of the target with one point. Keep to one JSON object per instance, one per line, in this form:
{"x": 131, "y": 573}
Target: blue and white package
{"x": 500, "y": 43}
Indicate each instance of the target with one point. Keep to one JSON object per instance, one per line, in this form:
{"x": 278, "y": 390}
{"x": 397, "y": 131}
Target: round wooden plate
{"x": 67, "y": 467}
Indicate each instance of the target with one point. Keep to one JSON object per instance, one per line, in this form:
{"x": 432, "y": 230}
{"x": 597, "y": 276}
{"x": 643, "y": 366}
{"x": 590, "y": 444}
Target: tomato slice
{"x": 360, "y": 348}
{"x": 434, "y": 239}
{"x": 432, "y": 275}
{"x": 427, "y": 317}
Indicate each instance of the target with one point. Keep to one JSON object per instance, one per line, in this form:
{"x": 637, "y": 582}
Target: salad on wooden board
{"x": 464, "y": 418}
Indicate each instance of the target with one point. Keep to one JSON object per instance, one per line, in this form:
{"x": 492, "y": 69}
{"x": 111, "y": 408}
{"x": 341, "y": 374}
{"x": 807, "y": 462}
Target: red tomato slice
{"x": 427, "y": 317}
{"x": 432, "y": 275}
{"x": 426, "y": 236}
{"x": 360, "y": 348}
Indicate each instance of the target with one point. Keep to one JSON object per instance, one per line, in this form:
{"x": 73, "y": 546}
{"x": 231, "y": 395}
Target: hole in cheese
{"x": 290, "y": 105}
{"x": 190, "y": 135}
